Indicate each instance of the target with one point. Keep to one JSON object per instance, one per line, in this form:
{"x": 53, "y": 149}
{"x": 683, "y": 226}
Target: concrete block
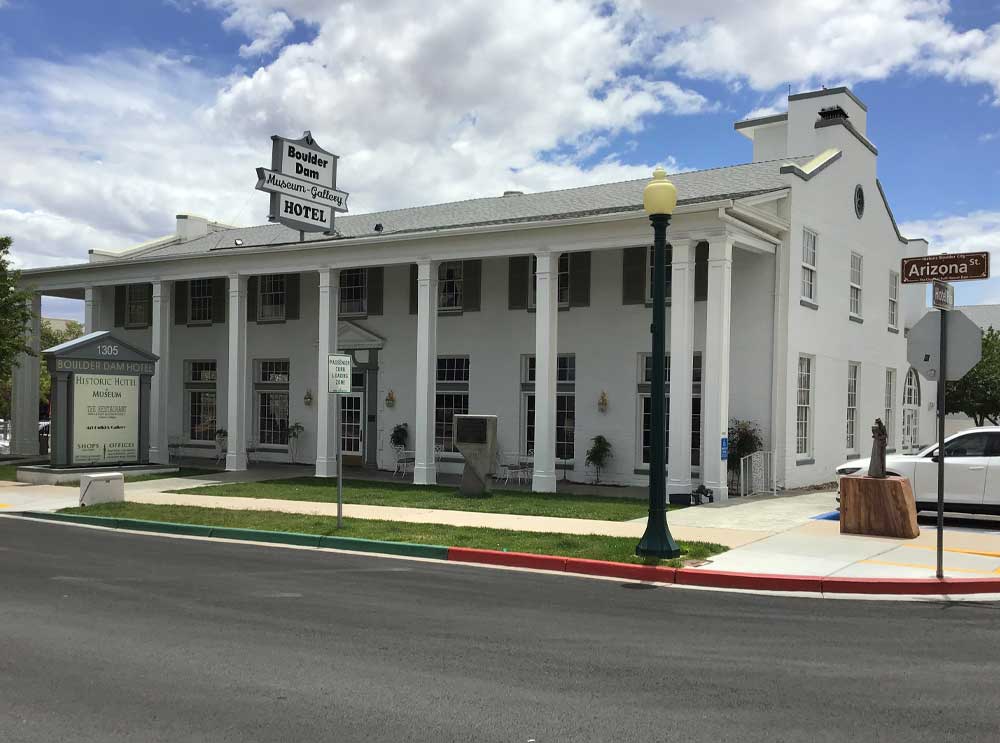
{"x": 107, "y": 487}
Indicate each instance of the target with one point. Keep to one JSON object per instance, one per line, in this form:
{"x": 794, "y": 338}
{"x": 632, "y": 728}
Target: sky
{"x": 116, "y": 116}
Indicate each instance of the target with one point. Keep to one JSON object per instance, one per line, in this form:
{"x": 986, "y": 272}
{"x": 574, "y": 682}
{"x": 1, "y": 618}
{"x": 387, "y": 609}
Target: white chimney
{"x": 190, "y": 227}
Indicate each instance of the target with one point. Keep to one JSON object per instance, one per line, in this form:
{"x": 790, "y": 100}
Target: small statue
{"x": 876, "y": 466}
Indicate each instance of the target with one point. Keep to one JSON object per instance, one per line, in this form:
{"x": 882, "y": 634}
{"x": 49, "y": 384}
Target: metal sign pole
{"x": 942, "y": 379}
{"x": 340, "y": 466}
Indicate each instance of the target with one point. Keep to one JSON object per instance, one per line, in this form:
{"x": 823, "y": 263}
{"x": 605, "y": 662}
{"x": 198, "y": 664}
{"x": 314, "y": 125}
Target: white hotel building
{"x": 785, "y": 308}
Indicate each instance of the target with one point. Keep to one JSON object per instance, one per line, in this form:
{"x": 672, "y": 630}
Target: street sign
{"x": 302, "y": 182}
{"x": 946, "y": 267}
{"x": 964, "y": 349}
{"x": 943, "y": 295}
{"x": 339, "y": 374}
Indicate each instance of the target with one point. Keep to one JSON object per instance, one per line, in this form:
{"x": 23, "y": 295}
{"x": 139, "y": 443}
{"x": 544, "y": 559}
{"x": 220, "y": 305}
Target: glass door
{"x": 352, "y": 424}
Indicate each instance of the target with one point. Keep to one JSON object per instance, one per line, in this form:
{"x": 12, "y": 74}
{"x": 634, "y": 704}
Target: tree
{"x": 977, "y": 394}
{"x": 51, "y": 337}
{"x": 15, "y": 314}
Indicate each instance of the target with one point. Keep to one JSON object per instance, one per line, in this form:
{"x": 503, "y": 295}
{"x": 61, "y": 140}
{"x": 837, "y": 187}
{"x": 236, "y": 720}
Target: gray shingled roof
{"x": 695, "y": 186}
{"x": 983, "y": 315}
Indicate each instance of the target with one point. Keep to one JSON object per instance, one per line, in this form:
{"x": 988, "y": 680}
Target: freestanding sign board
{"x": 338, "y": 383}
{"x": 100, "y": 402}
{"x": 302, "y": 183}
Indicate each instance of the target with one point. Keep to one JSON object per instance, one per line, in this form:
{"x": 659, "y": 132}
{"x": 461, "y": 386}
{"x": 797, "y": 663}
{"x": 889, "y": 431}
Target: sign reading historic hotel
{"x": 302, "y": 183}
{"x": 100, "y": 402}
{"x": 946, "y": 267}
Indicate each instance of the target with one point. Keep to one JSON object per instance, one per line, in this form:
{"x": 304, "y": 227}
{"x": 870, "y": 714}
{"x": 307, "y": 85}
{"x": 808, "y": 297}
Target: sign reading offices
{"x": 105, "y": 419}
{"x": 302, "y": 183}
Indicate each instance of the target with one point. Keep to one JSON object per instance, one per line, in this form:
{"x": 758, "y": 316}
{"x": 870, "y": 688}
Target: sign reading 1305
{"x": 107, "y": 349}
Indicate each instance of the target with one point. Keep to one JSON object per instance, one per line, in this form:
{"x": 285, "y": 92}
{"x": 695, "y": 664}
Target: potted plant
{"x": 399, "y": 436}
{"x": 598, "y": 455}
{"x": 295, "y": 431}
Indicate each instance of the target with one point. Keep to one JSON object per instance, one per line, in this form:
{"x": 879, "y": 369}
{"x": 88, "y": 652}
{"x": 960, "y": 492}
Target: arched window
{"x": 911, "y": 391}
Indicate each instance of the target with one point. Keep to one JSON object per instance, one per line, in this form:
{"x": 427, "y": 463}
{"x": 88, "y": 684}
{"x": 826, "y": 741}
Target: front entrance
{"x": 352, "y": 431}
{"x": 911, "y": 430}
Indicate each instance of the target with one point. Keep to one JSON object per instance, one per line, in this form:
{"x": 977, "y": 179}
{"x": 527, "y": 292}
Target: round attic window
{"x": 859, "y": 201}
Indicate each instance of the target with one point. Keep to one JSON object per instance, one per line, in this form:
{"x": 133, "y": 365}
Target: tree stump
{"x": 882, "y": 507}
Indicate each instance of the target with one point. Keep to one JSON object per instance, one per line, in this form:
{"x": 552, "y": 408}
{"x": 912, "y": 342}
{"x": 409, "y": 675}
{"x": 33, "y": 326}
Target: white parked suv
{"x": 971, "y": 471}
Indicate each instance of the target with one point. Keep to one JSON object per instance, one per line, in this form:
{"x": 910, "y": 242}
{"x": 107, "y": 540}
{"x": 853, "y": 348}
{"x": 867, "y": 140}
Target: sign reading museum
{"x": 302, "y": 183}
{"x": 105, "y": 419}
{"x": 100, "y": 402}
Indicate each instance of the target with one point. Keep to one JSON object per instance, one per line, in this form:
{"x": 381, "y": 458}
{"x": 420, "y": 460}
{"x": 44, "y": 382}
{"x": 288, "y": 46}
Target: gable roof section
{"x": 695, "y": 186}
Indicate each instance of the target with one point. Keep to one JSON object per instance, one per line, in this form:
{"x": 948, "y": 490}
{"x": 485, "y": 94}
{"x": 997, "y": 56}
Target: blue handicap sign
{"x": 725, "y": 447}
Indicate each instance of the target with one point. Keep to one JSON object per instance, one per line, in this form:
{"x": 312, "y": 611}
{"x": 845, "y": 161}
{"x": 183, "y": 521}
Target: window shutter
{"x": 149, "y": 305}
{"x": 180, "y": 302}
{"x": 579, "y": 279}
{"x": 413, "y": 288}
{"x": 518, "y": 280}
{"x": 701, "y": 272}
{"x": 119, "y": 306}
{"x": 471, "y": 285}
{"x": 291, "y": 296}
{"x": 375, "y": 280}
{"x": 252, "y": 299}
{"x": 634, "y": 275}
{"x": 219, "y": 291}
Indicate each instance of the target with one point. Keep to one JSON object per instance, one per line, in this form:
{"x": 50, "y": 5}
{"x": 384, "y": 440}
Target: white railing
{"x": 757, "y": 474}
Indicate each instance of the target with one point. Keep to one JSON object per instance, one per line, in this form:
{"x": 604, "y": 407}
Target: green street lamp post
{"x": 659, "y": 199}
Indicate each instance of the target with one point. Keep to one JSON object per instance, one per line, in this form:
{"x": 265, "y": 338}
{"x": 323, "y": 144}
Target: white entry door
{"x": 911, "y": 430}
{"x": 352, "y": 419}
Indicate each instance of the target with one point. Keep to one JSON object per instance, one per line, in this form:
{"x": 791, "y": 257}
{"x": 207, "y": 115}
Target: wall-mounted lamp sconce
{"x": 390, "y": 399}
{"x": 308, "y": 398}
{"x": 602, "y": 402}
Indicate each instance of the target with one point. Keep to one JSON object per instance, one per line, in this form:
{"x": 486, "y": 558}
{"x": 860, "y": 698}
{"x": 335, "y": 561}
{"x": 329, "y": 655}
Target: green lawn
{"x": 380, "y": 493}
{"x": 8, "y": 472}
{"x": 594, "y": 547}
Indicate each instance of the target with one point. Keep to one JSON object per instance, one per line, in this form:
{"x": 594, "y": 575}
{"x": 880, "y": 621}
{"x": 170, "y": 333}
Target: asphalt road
{"x": 108, "y": 636}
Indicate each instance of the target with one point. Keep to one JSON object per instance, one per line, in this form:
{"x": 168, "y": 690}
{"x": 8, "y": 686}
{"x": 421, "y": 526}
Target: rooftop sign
{"x": 302, "y": 182}
{"x": 946, "y": 267}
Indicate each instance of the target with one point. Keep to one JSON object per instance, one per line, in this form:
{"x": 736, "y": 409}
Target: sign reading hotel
{"x": 105, "y": 419}
{"x": 946, "y": 267}
{"x": 100, "y": 402}
{"x": 302, "y": 182}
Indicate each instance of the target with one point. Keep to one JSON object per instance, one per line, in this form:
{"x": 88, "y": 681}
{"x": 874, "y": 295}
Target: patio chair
{"x": 404, "y": 458}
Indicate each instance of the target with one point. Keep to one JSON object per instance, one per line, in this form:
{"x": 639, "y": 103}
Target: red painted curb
{"x": 509, "y": 559}
{"x": 721, "y": 579}
{"x": 620, "y": 570}
{"x": 749, "y": 581}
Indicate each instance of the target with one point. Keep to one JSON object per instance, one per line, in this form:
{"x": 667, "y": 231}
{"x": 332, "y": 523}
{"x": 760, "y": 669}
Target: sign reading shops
{"x": 302, "y": 182}
{"x": 100, "y": 402}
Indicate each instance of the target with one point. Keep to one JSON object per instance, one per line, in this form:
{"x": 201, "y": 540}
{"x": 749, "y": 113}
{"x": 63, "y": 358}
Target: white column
{"x": 715, "y": 386}
{"x": 159, "y": 391}
{"x": 24, "y": 389}
{"x": 681, "y": 361}
{"x": 326, "y": 404}
{"x": 424, "y": 467}
{"x": 543, "y": 478}
{"x": 236, "y": 402}
{"x": 90, "y": 319}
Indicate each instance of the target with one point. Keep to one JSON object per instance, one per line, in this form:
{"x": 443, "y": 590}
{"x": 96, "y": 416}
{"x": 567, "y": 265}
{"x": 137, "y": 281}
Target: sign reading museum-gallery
{"x": 105, "y": 419}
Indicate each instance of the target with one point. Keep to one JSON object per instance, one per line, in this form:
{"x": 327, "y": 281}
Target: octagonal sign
{"x": 965, "y": 346}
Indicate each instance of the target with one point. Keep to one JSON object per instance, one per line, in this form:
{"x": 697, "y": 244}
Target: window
{"x": 271, "y": 295}
{"x": 137, "y": 306}
{"x": 200, "y": 400}
{"x": 199, "y": 301}
{"x": 972, "y": 445}
{"x": 803, "y": 408}
{"x": 911, "y": 412}
{"x": 651, "y": 253}
{"x": 852, "y": 407}
{"x": 856, "y": 284}
{"x": 809, "y": 265}
{"x": 450, "y": 278}
{"x": 911, "y": 391}
{"x": 451, "y": 399}
{"x": 271, "y": 392}
{"x": 645, "y": 408}
{"x": 562, "y": 292}
{"x": 565, "y": 405}
{"x": 890, "y": 407}
{"x": 894, "y": 300}
{"x": 353, "y": 291}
